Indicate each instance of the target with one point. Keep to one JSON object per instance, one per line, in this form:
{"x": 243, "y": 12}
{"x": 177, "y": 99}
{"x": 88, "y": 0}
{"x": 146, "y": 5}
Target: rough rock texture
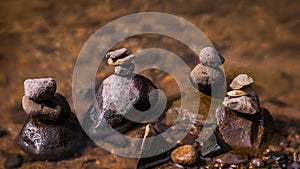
{"x": 209, "y": 56}
{"x": 124, "y": 70}
{"x": 40, "y": 89}
{"x": 119, "y": 53}
{"x": 184, "y": 155}
{"x": 43, "y": 141}
{"x": 232, "y": 158}
{"x": 237, "y": 130}
{"x": 248, "y": 104}
{"x": 241, "y": 81}
{"x": 117, "y": 96}
{"x": 122, "y": 61}
{"x": 206, "y": 77}
{"x": 55, "y": 109}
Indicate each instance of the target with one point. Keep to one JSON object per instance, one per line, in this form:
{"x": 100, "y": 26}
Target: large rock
{"x": 118, "y": 95}
{"x": 238, "y": 130}
{"x": 209, "y": 56}
{"x": 43, "y": 141}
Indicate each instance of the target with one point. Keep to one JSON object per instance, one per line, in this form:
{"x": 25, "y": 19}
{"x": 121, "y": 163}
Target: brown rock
{"x": 232, "y": 157}
{"x": 184, "y": 155}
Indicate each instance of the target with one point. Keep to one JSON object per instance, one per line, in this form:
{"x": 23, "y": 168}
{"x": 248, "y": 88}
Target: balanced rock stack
{"x": 207, "y": 74}
{"x": 119, "y": 93}
{"x": 244, "y": 125}
{"x": 51, "y": 131}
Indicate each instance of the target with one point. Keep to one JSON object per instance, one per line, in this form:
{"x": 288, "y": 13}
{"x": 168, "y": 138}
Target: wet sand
{"x": 43, "y": 39}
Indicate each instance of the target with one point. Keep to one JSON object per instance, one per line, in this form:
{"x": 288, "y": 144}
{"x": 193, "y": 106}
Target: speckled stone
{"x": 209, "y": 56}
{"x": 184, "y": 155}
{"x": 244, "y": 104}
{"x": 55, "y": 109}
{"x": 40, "y": 89}
{"x": 241, "y": 81}
{"x": 124, "y": 70}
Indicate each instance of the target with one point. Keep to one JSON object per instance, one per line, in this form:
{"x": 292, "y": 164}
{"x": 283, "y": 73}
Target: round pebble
{"x": 116, "y": 53}
{"x": 54, "y": 109}
{"x": 13, "y": 161}
{"x": 241, "y": 81}
{"x": 40, "y": 89}
{"x": 258, "y": 162}
{"x": 209, "y": 56}
{"x": 124, "y": 70}
{"x": 184, "y": 155}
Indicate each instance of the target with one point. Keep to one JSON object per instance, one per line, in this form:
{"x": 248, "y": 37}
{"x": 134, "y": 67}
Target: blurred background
{"x": 41, "y": 38}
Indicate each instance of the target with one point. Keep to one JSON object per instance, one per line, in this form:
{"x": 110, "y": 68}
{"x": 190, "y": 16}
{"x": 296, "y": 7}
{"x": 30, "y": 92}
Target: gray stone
{"x": 124, "y": 70}
{"x": 241, "y": 81}
{"x": 40, "y": 89}
{"x": 121, "y": 61}
{"x": 116, "y": 54}
{"x": 209, "y": 56}
{"x": 206, "y": 77}
{"x": 55, "y": 109}
{"x": 248, "y": 104}
{"x": 117, "y": 95}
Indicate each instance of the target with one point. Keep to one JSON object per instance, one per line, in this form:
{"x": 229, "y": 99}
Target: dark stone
{"x": 3, "y": 133}
{"x": 43, "y": 141}
{"x": 55, "y": 109}
{"x": 117, "y": 96}
{"x": 214, "y": 146}
{"x": 13, "y": 161}
{"x": 40, "y": 89}
{"x": 207, "y": 77}
{"x": 238, "y": 130}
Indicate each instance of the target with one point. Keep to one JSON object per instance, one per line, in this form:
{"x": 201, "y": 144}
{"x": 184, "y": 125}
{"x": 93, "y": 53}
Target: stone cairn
{"x": 51, "y": 131}
{"x": 245, "y": 127}
{"x": 207, "y": 74}
{"x": 118, "y": 94}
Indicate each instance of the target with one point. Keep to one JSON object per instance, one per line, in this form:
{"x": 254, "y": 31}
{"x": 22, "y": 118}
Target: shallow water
{"x": 43, "y": 39}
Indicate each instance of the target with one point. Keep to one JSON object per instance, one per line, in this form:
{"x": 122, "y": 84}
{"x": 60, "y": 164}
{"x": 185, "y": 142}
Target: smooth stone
{"x": 244, "y": 104}
{"x": 207, "y": 77}
{"x": 232, "y": 157}
{"x": 13, "y": 161}
{"x": 236, "y": 93}
{"x": 55, "y": 109}
{"x": 40, "y": 89}
{"x": 184, "y": 155}
{"x": 122, "y": 61}
{"x": 116, "y": 54}
{"x": 50, "y": 142}
{"x": 117, "y": 95}
{"x": 209, "y": 56}
{"x": 241, "y": 81}
{"x": 238, "y": 131}
{"x": 258, "y": 163}
{"x": 124, "y": 70}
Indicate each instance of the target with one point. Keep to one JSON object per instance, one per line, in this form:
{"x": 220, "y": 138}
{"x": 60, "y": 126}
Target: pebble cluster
{"x": 207, "y": 74}
{"x": 51, "y": 131}
{"x": 119, "y": 93}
